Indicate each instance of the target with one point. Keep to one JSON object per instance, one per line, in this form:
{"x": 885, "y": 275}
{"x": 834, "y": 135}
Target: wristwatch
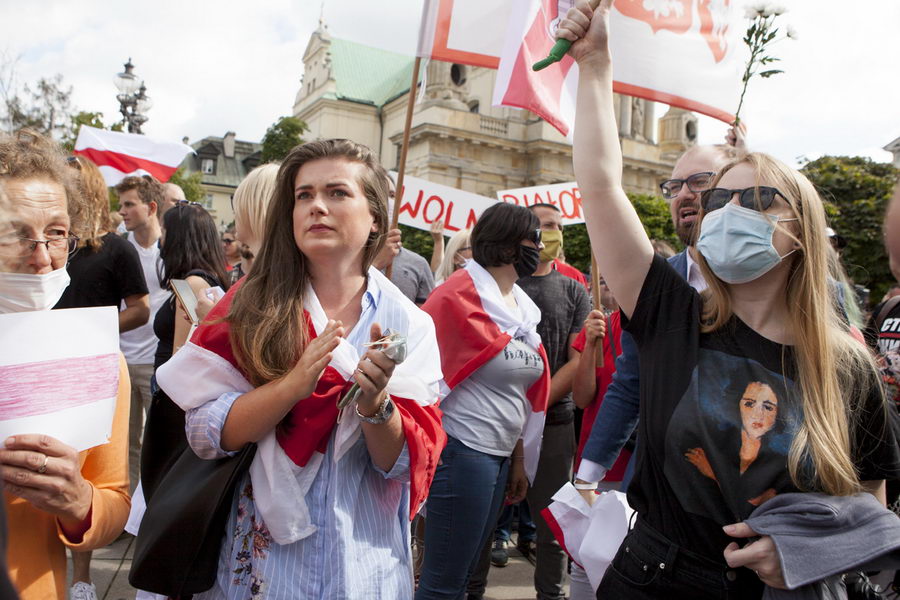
{"x": 384, "y": 412}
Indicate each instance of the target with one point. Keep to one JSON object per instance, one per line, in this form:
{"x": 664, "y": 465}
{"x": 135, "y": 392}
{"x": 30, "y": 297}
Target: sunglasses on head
{"x": 717, "y": 198}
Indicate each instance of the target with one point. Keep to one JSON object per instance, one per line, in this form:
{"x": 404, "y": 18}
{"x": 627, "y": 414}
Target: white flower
{"x": 756, "y": 9}
{"x": 792, "y": 33}
{"x": 774, "y": 9}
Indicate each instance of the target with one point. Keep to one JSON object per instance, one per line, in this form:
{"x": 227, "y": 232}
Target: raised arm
{"x": 618, "y": 240}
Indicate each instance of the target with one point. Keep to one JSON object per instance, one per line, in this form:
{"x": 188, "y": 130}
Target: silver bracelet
{"x": 385, "y": 411}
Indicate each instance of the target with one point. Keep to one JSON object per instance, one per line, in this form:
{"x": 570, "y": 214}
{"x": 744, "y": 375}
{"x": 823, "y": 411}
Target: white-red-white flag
{"x": 669, "y": 51}
{"x": 119, "y": 155}
{"x": 464, "y": 31}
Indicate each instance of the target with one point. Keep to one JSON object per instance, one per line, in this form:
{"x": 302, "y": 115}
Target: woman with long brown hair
{"x": 768, "y": 315}
{"x": 325, "y": 509}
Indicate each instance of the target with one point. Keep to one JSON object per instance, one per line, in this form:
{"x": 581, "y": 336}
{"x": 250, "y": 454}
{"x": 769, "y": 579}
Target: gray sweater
{"x": 818, "y": 537}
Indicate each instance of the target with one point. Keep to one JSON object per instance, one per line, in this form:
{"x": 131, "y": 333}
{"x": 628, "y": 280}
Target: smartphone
{"x": 185, "y": 294}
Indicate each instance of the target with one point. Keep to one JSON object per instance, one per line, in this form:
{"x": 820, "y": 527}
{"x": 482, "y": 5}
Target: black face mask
{"x": 527, "y": 261}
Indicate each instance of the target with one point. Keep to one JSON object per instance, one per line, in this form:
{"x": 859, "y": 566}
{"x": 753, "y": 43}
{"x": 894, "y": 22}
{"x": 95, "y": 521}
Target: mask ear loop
{"x": 797, "y": 245}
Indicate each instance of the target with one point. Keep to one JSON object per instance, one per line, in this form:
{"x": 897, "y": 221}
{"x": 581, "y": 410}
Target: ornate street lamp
{"x": 133, "y": 100}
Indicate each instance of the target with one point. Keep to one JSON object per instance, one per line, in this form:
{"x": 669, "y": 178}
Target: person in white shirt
{"x": 139, "y": 202}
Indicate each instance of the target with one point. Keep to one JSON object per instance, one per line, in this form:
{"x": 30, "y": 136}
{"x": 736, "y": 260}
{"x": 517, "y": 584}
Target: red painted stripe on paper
{"x": 127, "y": 163}
{"x": 39, "y": 388}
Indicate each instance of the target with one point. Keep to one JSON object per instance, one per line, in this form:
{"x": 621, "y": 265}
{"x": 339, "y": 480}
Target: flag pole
{"x": 595, "y": 292}
{"x": 404, "y": 149}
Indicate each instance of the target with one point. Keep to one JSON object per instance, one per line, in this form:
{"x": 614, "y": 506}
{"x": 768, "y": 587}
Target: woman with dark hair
{"x": 324, "y": 510}
{"x": 190, "y": 250}
{"x": 496, "y": 368}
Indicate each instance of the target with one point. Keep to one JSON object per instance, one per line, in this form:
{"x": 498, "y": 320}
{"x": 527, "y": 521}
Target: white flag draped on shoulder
{"x": 119, "y": 154}
{"x": 685, "y": 53}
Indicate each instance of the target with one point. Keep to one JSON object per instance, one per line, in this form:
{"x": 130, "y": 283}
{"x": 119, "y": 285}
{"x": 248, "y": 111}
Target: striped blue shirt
{"x": 361, "y": 547}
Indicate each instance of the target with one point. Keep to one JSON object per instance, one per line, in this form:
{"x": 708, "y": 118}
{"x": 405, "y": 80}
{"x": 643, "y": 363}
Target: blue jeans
{"x": 461, "y": 514}
{"x": 527, "y": 531}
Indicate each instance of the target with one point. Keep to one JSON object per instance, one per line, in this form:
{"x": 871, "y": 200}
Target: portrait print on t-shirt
{"x": 728, "y": 441}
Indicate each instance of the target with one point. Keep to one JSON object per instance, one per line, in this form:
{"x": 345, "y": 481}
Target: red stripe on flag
{"x": 557, "y": 532}
{"x": 127, "y": 163}
{"x": 38, "y": 388}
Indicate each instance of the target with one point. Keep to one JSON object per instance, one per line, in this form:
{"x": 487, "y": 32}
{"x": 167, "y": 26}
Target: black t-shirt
{"x": 164, "y": 322}
{"x": 564, "y": 306}
{"x": 104, "y": 276}
{"x": 717, "y": 417}
{"x": 886, "y": 342}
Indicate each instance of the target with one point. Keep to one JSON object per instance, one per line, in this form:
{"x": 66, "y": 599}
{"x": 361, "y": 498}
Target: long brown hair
{"x": 96, "y": 222}
{"x": 268, "y": 330}
{"x": 835, "y": 372}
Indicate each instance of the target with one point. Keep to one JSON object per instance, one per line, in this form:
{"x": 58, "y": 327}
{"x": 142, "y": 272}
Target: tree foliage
{"x": 45, "y": 107}
{"x": 280, "y": 137}
{"x": 856, "y": 191}
{"x": 189, "y": 183}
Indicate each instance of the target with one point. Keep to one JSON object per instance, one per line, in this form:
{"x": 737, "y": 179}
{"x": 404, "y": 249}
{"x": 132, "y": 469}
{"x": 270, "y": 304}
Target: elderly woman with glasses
{"x": 55, "y": 497}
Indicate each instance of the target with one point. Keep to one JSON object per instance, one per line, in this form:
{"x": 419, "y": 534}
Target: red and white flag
{"x": 463, "y": 31}
{"x": 66, "y": 388}
{"x": 119, "y": 154}
{"x": 286, "y": 463}
{"x": 663, "y": 50}
{"x": 590, "y": 534}
{"x": 473, "y": 325}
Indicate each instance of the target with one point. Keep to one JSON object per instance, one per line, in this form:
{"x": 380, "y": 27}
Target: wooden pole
{"x": 404, "y": 149}
{"x": 595, "y": 292}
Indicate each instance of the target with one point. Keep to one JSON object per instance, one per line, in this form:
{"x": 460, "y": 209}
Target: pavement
{"x": 110, "y": 567}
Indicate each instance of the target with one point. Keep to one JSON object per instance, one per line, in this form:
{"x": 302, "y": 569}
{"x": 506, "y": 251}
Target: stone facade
{"x": 457, "y": 138}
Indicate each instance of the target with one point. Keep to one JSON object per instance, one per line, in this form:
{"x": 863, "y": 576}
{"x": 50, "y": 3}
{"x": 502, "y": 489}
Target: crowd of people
{"x": 332, "y": 415}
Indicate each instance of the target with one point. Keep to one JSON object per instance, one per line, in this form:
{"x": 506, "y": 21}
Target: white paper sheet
{"x": 59, "y": 374}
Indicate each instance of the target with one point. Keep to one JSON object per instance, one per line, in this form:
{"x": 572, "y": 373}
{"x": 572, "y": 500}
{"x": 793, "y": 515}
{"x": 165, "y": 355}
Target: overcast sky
{"x": 214, "y": 66}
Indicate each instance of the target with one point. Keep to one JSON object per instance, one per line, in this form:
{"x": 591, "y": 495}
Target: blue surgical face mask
{"x": 737, "y": 243}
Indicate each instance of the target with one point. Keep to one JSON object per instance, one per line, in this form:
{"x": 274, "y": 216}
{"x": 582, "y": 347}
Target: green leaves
{"x": 281, "y": 137}
{"x": 856, "y": 191}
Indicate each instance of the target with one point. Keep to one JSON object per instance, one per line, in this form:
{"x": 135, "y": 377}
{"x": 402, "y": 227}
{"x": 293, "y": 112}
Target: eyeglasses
{"x": 697, "y": 182}
{"x": 716, "y": 198}
{"x": 188, "y": 203}
{"x": 56, "y": 246}
{"x": 227, "y": 242}
{"x": 535, "y": 237}
{"x": 72, "y": 161}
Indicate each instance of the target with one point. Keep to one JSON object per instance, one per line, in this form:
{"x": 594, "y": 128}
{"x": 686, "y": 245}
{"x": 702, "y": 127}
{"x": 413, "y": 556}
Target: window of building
{"x": 208, "y": 166}
{"x": 208, "y": 201}
{"x": 458, "y": 74}
{"x": 474, "y": 106}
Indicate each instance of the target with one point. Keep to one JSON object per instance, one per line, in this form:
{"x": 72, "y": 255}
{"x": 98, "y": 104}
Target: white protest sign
{"x": 423, "y": 202}
{"x": 59, "y": 374}
{"x": 564, "y": 196}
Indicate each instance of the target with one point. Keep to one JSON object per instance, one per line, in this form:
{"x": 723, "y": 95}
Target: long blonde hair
{"x": 267, "y": 327}
{"x": 448, "y": 265}
{"x": 835, "y": 372}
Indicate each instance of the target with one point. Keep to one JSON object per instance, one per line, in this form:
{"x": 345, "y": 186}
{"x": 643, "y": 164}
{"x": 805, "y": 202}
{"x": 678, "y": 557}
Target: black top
{"x": 105, "y": 276}
{"x": 564, "y": 306}
{"x": 164, "y": 322}
{"x": 718, "y": 414}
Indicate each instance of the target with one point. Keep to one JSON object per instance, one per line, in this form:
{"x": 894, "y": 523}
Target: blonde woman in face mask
{"x": 768, "y": 315}
{"x": 55, "y": 497}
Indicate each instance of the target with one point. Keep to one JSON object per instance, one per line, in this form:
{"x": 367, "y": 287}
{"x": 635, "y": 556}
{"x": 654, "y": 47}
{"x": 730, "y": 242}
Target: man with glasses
{"x": 617, "y": 418}
{"x": 139, "y": 202}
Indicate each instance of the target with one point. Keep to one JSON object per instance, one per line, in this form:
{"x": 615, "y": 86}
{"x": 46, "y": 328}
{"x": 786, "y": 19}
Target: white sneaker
{"x": 83, "y": 591}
